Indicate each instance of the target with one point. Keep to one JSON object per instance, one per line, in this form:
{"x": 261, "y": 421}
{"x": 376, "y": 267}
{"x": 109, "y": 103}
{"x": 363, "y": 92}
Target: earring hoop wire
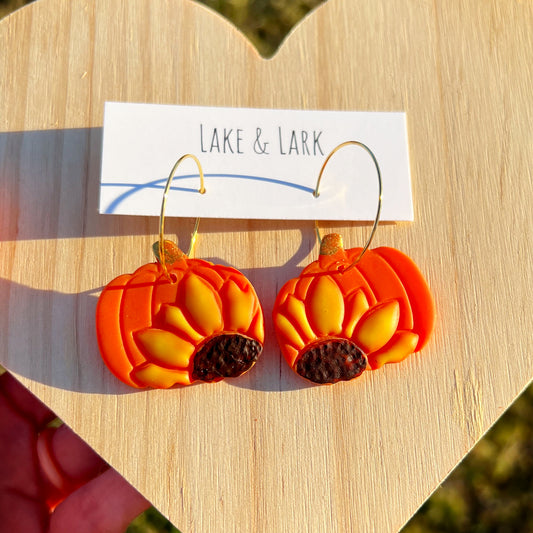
{"x": 316, "y": 194}
{"x": 194, "y": 234}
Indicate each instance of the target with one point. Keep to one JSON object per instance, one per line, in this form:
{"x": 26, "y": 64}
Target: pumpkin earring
{"x": 352, "y": 309}
{"x": 179, "y": 320}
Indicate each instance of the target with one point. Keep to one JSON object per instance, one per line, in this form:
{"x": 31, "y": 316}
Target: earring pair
{"x": 181, "y": 320}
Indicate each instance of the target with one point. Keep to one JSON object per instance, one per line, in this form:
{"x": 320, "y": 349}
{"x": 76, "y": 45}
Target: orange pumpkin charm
{"x": 342, "y": 314}
{"x": 196, "y": 321}
{"x": 179, "y": 320}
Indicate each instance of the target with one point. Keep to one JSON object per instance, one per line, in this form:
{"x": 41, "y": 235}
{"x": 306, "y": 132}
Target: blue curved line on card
{"x": 160, "y": 184}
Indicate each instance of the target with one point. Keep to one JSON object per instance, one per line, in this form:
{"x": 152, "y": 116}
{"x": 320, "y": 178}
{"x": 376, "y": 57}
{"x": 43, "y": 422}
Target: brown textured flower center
{"x": 225, "y": 356}
{"x": 331, "y": 360}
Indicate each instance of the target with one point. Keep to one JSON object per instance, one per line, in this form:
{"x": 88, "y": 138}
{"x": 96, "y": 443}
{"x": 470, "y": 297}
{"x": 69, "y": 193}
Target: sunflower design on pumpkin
{"x": 340, "y": 317}
{"x": 196, "y": 322}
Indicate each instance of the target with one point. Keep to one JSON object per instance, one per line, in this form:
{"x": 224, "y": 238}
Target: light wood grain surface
{"x": 267, "y": 452}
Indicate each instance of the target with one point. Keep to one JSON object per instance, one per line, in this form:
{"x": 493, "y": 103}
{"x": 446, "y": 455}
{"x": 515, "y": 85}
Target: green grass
{"x": 492, "y": 488}
{"x": 151, "y": 521}
{"x": 8, "y": 6}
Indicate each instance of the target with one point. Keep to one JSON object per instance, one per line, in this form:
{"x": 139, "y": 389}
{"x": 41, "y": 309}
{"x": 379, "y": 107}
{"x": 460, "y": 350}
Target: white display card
{"x": 257, "y": 163}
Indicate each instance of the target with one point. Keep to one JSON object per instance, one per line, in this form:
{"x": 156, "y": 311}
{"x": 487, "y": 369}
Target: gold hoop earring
{"x": 352, "y": 309}
{"x": 179, "y": 320}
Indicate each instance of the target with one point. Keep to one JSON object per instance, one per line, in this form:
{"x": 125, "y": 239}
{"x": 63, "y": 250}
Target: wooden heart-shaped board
{"x": 268, "y": 452}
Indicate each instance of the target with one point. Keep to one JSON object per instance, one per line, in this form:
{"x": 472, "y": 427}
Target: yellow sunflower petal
{"x": 150, "y": 375}
{"x": 402, "y": 344}
{"x": 257, "y": 328}
{"x": 174, "y": 317}
{"x": 288, "y": 331}
{"x": 238, "y": 306}
{"x": 356, "y": 307}
{"x": 202, "y": 304}
{"x": 164, "y": 347}
{"x": 377, "y": 326}
{"x": 325, "y": 307}
{"x": 295, "y": 309}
